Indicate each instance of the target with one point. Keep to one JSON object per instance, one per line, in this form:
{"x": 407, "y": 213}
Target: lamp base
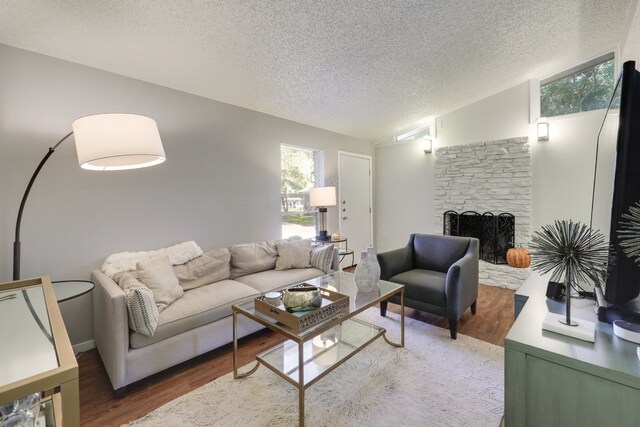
{"x": 584, "y": 330}
{"x": 323, "y": 236}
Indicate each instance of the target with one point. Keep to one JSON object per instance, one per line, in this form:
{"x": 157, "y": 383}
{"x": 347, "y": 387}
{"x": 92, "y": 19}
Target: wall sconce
{"x": 543, "y": 131}
{"x": 427, "y": 145}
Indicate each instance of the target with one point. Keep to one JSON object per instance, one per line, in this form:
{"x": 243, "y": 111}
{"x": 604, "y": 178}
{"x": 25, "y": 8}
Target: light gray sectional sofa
{"x": 197, "y": 322}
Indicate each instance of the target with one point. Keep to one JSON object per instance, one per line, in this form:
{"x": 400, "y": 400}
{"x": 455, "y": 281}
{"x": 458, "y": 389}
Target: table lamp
{"x": 103, "y": 142}
{"x": 321, "y": 197}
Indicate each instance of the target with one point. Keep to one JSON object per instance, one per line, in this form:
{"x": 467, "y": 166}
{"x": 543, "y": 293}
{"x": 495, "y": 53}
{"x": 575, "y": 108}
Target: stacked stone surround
{"x": 491, "y": 176}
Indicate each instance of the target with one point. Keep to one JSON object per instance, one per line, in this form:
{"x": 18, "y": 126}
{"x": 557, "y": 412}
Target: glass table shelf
{"x": 321, "y": 354}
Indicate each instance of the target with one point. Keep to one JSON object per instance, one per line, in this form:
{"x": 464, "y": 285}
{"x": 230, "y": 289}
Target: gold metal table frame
{"x": 325, "y": 346}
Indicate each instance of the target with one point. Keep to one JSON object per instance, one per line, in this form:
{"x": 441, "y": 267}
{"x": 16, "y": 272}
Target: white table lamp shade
{"x": 117, "y": 141}
{"x": 322, "y": 196}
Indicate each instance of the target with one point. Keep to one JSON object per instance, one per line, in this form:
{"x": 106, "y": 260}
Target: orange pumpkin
{"x": 518, "y": 257}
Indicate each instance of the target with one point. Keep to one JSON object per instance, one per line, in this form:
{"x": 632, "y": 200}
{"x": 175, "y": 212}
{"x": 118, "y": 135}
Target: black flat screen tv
{"x": 623, "y": 281}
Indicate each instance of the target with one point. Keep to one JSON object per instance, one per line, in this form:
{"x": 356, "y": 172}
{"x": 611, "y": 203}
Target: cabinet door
{"x": 557, "y": 395}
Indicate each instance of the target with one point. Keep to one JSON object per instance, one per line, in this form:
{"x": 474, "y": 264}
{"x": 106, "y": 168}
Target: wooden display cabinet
{"x": 36, "y": 355}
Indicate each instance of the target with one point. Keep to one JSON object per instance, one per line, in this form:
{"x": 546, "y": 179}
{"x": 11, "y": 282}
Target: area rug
{"x": 433, "y": 381}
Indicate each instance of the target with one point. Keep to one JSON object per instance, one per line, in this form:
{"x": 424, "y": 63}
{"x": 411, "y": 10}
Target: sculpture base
{"x": 584, "y": 330}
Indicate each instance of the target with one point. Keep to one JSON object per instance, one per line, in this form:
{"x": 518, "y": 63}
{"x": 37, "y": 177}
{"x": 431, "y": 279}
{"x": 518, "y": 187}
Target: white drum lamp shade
{"x": 117, "y": 141}
{"x": 322, "y": 196}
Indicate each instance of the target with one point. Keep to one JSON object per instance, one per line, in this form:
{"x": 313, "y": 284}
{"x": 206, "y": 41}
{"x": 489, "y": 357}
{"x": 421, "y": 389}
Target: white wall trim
{"x": 534, "y": 100}
{"x": 84, "y": 346}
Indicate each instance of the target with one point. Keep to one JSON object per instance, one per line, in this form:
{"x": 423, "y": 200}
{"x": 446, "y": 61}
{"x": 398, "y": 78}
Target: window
{"x": 583, "y": 88}
{"x": 301, "y": 168}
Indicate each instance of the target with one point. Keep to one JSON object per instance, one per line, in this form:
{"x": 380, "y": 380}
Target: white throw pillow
{"x": 322, "y": 257}
{"x": 293, "y": 254}
{"x": 141, "y": 306}
{"x": 158, "y": 275}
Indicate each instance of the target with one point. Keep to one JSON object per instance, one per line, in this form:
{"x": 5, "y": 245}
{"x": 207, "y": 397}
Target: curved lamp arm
{"x": 16, "y": 243}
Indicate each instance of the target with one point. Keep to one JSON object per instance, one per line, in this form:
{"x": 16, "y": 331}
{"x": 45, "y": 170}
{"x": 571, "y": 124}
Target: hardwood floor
{"x": 98, "y": 407}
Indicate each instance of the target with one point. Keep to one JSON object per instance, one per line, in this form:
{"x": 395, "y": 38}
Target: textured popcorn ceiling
{"x": 365, "y": 68}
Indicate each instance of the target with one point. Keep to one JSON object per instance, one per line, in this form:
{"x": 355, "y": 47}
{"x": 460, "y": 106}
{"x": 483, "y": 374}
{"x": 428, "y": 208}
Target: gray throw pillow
{"x": 322, "y": 257}
{"x": 141, "y": 307}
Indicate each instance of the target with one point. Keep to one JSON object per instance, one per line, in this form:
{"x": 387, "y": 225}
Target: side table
{"x": 342, "y": 253}
{"x": 69, "y": 289}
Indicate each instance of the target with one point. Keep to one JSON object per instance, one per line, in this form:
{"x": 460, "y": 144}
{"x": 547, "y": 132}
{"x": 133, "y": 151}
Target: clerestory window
{"x": 583, "y": 88}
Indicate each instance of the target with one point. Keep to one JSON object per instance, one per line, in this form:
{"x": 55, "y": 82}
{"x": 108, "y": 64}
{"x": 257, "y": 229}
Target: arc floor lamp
{"x": 104, "y": 142}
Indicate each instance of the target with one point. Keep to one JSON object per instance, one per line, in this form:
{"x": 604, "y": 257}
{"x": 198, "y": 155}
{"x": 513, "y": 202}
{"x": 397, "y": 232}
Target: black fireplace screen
{"x": 496, "y": 233}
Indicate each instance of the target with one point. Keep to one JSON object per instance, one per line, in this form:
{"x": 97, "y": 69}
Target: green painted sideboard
{"x": 554, "y": 380}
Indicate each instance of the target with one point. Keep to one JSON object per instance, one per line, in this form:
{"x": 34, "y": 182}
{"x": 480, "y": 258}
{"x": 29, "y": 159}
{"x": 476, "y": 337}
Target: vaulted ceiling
{"x": 364, "y": 68}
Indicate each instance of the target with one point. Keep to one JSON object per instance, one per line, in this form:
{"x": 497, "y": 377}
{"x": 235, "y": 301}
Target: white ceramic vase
{"x": 367, "y": 271}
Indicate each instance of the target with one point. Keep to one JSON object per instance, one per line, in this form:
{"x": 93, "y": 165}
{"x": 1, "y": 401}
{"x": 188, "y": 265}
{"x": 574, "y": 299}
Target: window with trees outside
{"x": 584, "y": 88}
{"x": 301, "y": 169}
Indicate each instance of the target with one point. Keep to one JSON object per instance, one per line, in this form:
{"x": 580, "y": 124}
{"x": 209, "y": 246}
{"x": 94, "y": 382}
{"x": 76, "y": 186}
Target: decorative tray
{"x": 333, "y": 304}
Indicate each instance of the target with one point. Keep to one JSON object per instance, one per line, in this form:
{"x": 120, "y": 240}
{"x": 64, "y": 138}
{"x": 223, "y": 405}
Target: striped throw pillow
{"x": 141, "y": 306}
{"x": 322, "y": 257}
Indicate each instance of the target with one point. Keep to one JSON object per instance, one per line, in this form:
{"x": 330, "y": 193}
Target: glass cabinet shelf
{"x": 36, "y": 355}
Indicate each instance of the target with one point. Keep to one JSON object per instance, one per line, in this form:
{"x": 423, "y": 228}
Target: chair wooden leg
{"x": 383, "y": 308}
{"x": 473, "y": 307}
{"x": 453, "y": 326}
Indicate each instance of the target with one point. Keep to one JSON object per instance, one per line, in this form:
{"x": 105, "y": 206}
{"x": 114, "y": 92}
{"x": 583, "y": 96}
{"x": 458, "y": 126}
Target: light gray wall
{"x": 220, "y": 184}
{"x": 562, "y": 168}
{"x": 404, "y": 194}
{"x": 500, "y": 116}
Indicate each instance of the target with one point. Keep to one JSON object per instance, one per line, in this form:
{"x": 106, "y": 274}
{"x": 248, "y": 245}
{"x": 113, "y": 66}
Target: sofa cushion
{"x": 432, "y": 252}
{"x": 253, "y": 257}
{"x": 266, "y": 281}
{"x": 322, "y": 257}
{"x": 423, "y": 285}
{"x": 197, "y": 307}
{"x": 293, "y": 254}
{"x": 158, "y": 275}
{"x": 209, "y": 268}
{"x": 141, "y": 306}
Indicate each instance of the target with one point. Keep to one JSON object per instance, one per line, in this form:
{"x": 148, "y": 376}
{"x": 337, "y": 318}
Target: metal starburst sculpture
{"x": 571, "y": 250}
{"x": 629, "y": 233}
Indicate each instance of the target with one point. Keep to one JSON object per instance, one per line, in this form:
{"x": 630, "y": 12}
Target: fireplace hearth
{"x": 496, "y": 233}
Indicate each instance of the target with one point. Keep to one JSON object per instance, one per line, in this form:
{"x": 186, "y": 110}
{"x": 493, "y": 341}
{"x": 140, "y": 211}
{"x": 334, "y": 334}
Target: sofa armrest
{"x": 110, "y": 327}
{"x": 395, "y": 262}
{"x": 461, "y": 285}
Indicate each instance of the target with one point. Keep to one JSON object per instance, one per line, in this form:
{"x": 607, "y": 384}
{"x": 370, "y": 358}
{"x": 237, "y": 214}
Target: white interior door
{"x": 355, "y": 204}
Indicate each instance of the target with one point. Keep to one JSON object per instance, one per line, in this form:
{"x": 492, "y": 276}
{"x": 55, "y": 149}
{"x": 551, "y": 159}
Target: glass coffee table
{"x": 312, "y": 353}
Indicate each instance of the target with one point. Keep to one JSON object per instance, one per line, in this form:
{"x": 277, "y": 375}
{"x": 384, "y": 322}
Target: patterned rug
{"x": 433, "y": 381}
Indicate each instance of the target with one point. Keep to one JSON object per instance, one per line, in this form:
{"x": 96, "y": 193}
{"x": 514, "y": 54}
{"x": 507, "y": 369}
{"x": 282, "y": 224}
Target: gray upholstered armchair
{"x": 440, "y": 274}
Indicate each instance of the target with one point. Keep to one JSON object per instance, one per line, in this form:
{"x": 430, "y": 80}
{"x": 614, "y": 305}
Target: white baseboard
{"x": 84, "y": 346}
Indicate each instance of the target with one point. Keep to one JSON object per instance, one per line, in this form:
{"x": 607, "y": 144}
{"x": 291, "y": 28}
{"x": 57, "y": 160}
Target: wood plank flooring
{"x": 98, "y": 407}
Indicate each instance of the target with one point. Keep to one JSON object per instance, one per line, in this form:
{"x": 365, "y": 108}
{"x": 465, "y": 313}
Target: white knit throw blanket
{"x": 127, "y": 261}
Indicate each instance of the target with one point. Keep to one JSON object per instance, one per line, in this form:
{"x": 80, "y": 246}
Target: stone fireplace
{"x": 491, "y": 178}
